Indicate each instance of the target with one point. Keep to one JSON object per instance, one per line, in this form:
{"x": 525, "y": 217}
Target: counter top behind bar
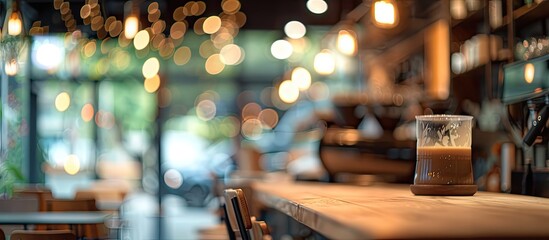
{"x": 385, "y": 211}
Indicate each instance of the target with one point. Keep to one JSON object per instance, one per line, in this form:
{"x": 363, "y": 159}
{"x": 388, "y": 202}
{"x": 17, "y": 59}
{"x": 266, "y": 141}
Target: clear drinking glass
{"x": 443, "y": 164}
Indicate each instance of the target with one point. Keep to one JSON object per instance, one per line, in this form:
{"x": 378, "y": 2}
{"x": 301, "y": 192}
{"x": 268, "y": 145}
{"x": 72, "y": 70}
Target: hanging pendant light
{"x": 12, "y": 38}
{"x": 131, "y": 22}
{"x": 385, "y": 13}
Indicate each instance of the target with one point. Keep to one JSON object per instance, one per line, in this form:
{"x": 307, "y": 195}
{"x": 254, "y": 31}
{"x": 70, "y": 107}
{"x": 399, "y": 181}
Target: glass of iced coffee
{"x": 443, "y": 164}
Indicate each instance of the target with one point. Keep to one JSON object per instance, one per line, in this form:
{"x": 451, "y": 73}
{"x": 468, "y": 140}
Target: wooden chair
{"x": 93, "y": 231}
{"x": 42, "y": 194}
{"x": 240, "y": 220}
{"x": 42, "y": 235}
{"x": 39, "y": 192}
{"x": 2, "y": 235}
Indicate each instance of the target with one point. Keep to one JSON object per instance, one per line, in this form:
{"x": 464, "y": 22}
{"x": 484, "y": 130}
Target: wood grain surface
{"x": 385, "y": 211}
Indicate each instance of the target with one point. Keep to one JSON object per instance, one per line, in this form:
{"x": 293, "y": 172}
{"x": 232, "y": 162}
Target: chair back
{"x": 42, "y": 235}
{"x": 39, "y": 192}
{"x": 59, "y": 205}
{"x": 92, "y": 231}
{"x": 238, "y": 218}
{"x": 241, "y": 220}
{"x": 2, "y": 235}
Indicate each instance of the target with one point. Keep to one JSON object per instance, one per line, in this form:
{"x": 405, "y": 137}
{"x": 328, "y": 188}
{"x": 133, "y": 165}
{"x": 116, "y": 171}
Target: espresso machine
{"x": 525, "y": 95}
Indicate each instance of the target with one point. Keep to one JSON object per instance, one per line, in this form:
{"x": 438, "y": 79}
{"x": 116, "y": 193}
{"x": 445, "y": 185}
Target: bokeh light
{"x": 269, "y": 118}
{"x": 302, "y": 78}
{"x": 173, "y": 178}
{"x": 131, "y": 26}
{"x": 317, "y": 6}
{"x": 182, "y": 55}
{"x": 295, "y": 29}
{"x": 281, "y": 49}
{"x": 152, "y": 84}
{"x": 151, "y": 67}
{"x": 141, "y": 40}
{"x": 211, "y": 24}
{"x": 87, "y": 112}
{"x": 214, "y": 65}
{"x": 250, "y": 110}
{"x": 72, "y": 164}
{"x": 62, "y": 101}
{"x": 347, "y": 42}
{"x": 324, "y": 62}
{"x": 206, "y": 110}
{"x": 288, "y": 91}
{"x": 231, "y": 54}
{"x": 252, "y": 129}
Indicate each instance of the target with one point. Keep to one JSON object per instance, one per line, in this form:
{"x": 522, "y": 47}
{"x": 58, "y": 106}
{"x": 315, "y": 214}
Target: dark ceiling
{"x": 269, "y": 15}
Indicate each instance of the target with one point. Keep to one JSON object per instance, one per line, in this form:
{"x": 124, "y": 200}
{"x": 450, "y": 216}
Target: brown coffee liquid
{"x": 444, "y": 165}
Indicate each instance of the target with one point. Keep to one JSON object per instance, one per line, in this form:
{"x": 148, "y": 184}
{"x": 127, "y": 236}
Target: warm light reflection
{"x": 206, "y": 49}
{"x": 288, "y": 91}
{"x": 214, "y": 65}
{"x": 281, "y": 49}
{"x": 385, "y": 13}
{"x": 141, "y": 39}
{"x": 198, "y": 26}
{"x": 529, "y": 72}
{"x": 458, "y": 9}
{"x": 152, "y": 84}
{"x": 250, "y": 110}
{"x": 90, "y": 48}
{"x": 72, "y": 165}
{"x": 231, "y": 54}
{"x": 317, "y": 6}
{"x": 319, "y": 91}
{"x": 230, "y": 6}
{"x": 151, "y": 67}
{"x": 269, "y": 118}
{"x": 182, "y": 55}
{"x": 177, "y": 30}
{"x": 62, "y": 101}
{"x": 206, "y": 110}
{"x": 347, "y": 42}
{"x": 131, "y": 26}
{"x": 295, "y": 29}
{"x": 173, "y": 178}
{"x": 301, "y": 77}
{"x": 11, "y": 67}
{"x": 220, "y": 39}
{"x": 15, "y": 25}
{"x": 211, "y": 24}
{"x": 252, "y": 129}
{"x": 87, "y": 112}
{"x": 324, "y": 62}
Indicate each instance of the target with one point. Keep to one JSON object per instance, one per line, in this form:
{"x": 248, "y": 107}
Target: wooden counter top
{"x": 386, "y": 211}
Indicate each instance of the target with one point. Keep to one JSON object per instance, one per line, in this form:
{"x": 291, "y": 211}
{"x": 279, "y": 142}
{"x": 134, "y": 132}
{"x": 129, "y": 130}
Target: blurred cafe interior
{"x": 179, "y": 119}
